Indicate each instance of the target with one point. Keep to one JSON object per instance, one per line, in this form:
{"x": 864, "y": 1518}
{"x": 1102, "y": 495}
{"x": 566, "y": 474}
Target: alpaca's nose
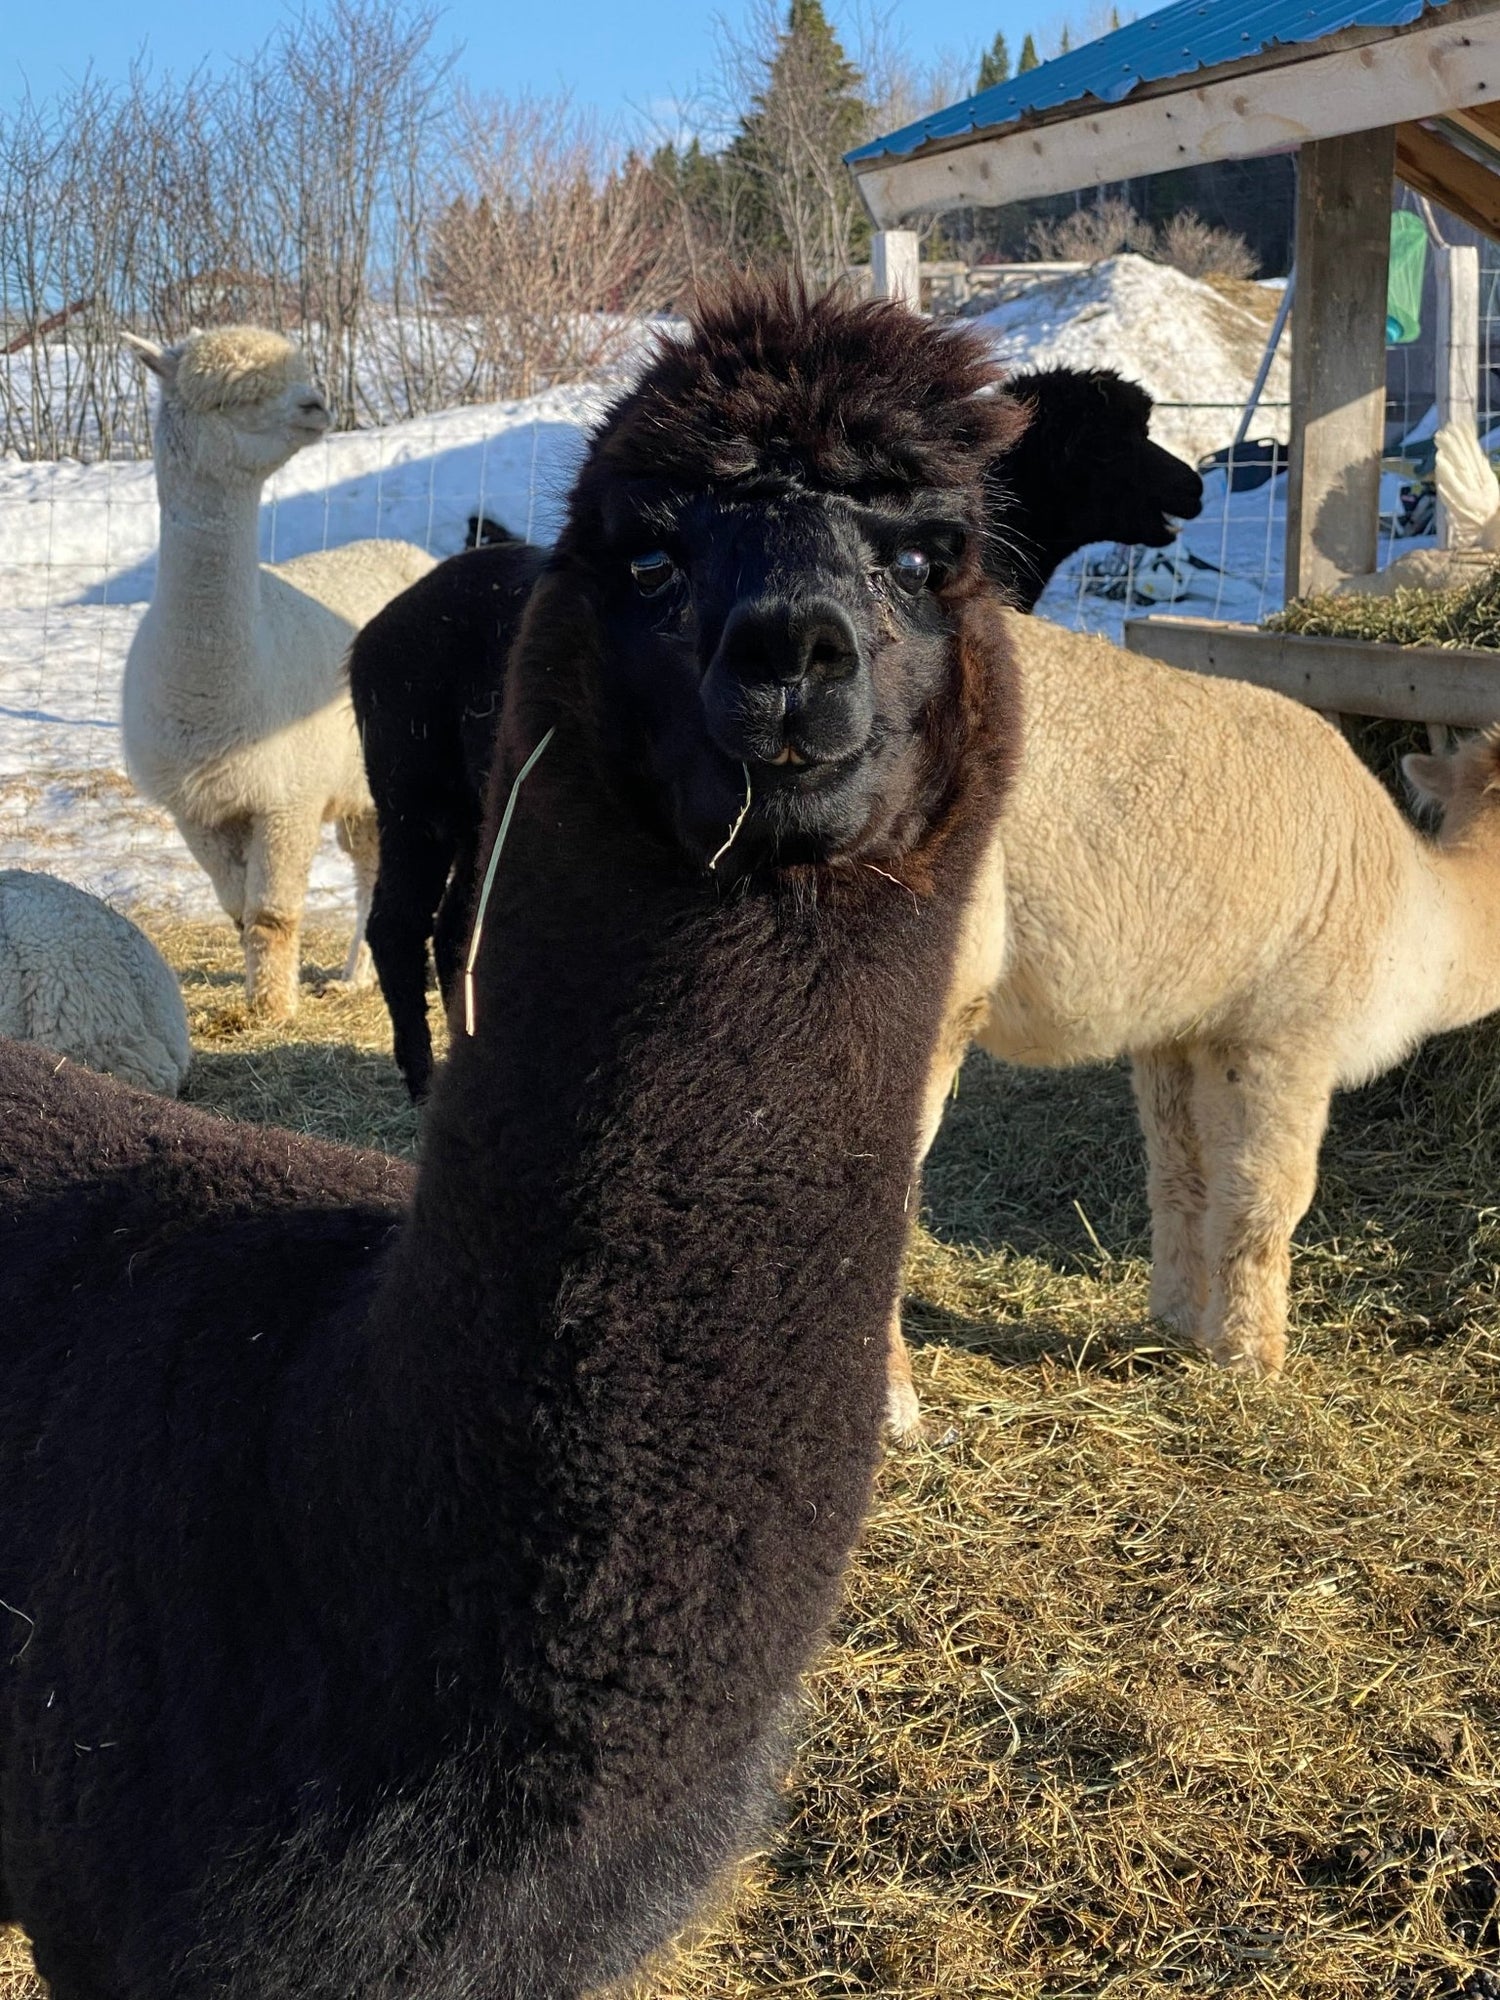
{"x": 812, "y": 640}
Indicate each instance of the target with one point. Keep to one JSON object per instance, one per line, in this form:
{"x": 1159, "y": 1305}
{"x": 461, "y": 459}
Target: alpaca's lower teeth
{"x": 787, "y": 755}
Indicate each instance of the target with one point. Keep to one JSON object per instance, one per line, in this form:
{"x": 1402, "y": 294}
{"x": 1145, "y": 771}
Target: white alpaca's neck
{"x": 208, "y": 575}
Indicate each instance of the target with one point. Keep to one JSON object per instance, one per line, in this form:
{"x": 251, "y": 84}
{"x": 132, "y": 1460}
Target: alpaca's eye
{"x": 911, "y": 569}
{"x": 653, "y": 572}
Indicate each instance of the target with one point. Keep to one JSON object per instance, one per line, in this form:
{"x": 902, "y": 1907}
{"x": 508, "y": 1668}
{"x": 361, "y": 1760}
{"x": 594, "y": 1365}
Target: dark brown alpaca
{"x": 426, "y": 674}
{"x": 431, "y": 1591}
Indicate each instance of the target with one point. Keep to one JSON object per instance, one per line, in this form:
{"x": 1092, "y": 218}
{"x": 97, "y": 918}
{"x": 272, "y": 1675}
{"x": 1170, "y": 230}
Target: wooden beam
{"x": 1426, "y": 162}
{"x": 1474, "y": 127}
{"x": 1457, "y": 346}
{"x": 1338, "y": 359}
{"x": 1486, "y": 117}
{"x": 1340, "y": 676}
{"x": 896, "y": 266}
{"x": 1446, "y": 63}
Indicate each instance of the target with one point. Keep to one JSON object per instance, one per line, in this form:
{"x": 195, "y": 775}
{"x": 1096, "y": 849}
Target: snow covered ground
{"x": 77, "y": 562}
{"x": 78, "y": 547}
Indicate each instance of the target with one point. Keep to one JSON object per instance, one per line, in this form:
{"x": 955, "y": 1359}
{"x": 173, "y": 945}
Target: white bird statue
{"x": 1468, "y": 490}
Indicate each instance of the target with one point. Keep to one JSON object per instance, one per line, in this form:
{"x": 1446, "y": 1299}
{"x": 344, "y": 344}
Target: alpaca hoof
{"x": 270, "y": 1000}
{"x": 267, "y": 1010}
{"x": 903, "y": 1413}
{"x": 359, "y": 971}
{"x": 1259, "y": 1359}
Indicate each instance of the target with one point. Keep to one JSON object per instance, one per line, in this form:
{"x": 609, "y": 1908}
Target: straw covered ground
{"x": 1149, "y": 1682}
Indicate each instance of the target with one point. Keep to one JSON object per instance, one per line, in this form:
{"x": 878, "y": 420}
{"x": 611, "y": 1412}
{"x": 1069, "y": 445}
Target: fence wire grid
{"x": 78, "y": 545}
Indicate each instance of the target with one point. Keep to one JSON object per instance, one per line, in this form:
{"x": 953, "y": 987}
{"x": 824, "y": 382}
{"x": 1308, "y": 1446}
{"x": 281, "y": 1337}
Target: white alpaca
{"x": 78, "y": 977}
{"x": 1202, "y": 875}
{"x": 236, "y": 711}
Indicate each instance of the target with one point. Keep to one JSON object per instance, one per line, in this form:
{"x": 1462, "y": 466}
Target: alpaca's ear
{"x": 1431, "y": 778}
{"x": 161, "y": 361}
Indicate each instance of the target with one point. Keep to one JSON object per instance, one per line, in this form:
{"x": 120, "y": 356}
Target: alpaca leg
{"x": 407, "y": 891}
{"x": 450, "y": 935}
{"x": 360, "y": 840}
{"x": 902, "y": 1410}
{"x": 1260, "y": 1119}
{"x": 220, "y": 852}
{"x": 282, "y": 846}
{"x": 1163, "y": 1080}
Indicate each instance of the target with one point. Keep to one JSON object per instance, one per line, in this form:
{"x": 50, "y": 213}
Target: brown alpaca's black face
{"x": 781, "y": 645}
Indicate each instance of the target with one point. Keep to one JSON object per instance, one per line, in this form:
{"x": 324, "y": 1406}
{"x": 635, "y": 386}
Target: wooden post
{"x": 895, "y": 265}
{"x": 1338, "y": 358}
{"x": 1457, "y": 268}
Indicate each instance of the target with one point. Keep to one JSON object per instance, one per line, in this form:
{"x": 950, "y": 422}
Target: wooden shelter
{"x": 1363, "y": 93}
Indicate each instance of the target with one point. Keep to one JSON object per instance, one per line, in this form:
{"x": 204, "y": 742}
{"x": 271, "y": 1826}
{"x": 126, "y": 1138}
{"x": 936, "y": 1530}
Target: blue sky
{"x": 633, "y": 58}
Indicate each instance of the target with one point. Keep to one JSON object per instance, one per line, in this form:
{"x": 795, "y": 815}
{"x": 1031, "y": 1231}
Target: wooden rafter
{"x": 1427, "y": 162}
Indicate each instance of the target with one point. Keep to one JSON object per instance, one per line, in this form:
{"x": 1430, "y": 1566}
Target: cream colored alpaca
{"x": 236, "y": 708}
{"x": 1203, "y": 876}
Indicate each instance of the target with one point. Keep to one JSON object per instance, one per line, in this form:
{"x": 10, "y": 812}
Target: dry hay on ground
{"x": 1149, "y": 1682}
{"x": 327, "y": 1072}
{"x": 1466, "y": 616}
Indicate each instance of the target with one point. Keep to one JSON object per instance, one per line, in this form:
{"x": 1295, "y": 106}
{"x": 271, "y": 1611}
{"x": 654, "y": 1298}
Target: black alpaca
{"x": 409, "y": 1603}
{"x": 427, "y": 671}
{"x": 484, "y": 531}
{"x": 427, "y": 690}
{"x": 1083, "y": 470}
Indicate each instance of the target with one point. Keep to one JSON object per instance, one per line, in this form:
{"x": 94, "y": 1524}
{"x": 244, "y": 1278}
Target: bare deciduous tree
{"x": 550, "y": 245}
{"x": 1201, "y": 249}
{"x": 1107, "y": 227}
{"x": 347, "y": 100}
{"x": 294, "y": 192}
{"x": 1104, "y": 229}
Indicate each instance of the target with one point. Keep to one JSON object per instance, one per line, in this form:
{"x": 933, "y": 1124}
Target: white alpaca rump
{"x": 236, "y": 705}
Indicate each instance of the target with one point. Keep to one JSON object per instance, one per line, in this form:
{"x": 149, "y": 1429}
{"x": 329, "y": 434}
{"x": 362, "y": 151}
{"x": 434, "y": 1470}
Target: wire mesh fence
{"x": 78, "y": 550}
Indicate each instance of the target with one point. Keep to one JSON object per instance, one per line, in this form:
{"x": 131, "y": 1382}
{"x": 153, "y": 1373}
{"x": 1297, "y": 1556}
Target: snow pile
{"x": 1183, "y": 339}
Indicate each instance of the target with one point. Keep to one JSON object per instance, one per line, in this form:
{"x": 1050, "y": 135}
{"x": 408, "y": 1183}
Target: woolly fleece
{"x": 416, "y": 1607}
{"x": 80, "y": 978}
{"x": 233, "y": 367}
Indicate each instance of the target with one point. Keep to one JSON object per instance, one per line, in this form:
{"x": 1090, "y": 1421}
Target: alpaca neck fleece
{"x": 207, "y": 587}
{"x": 629, "y": 1359}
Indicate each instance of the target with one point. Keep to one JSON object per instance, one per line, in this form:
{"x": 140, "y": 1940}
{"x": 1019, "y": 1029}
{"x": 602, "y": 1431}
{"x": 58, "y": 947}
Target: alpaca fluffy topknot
{"x": 233, "y": 366}
{"x": 771, "y": 387}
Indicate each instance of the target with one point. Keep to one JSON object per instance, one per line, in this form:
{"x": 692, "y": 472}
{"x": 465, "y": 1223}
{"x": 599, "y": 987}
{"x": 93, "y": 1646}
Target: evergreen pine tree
{"x": 799, "y": 200}
{"x": 994, "y": 64}
{"x": 1064, "y": 40}
{"x": 1029, "y": 57}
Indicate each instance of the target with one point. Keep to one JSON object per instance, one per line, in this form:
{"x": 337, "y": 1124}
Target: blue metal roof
{"x": 1175, "y": 41}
